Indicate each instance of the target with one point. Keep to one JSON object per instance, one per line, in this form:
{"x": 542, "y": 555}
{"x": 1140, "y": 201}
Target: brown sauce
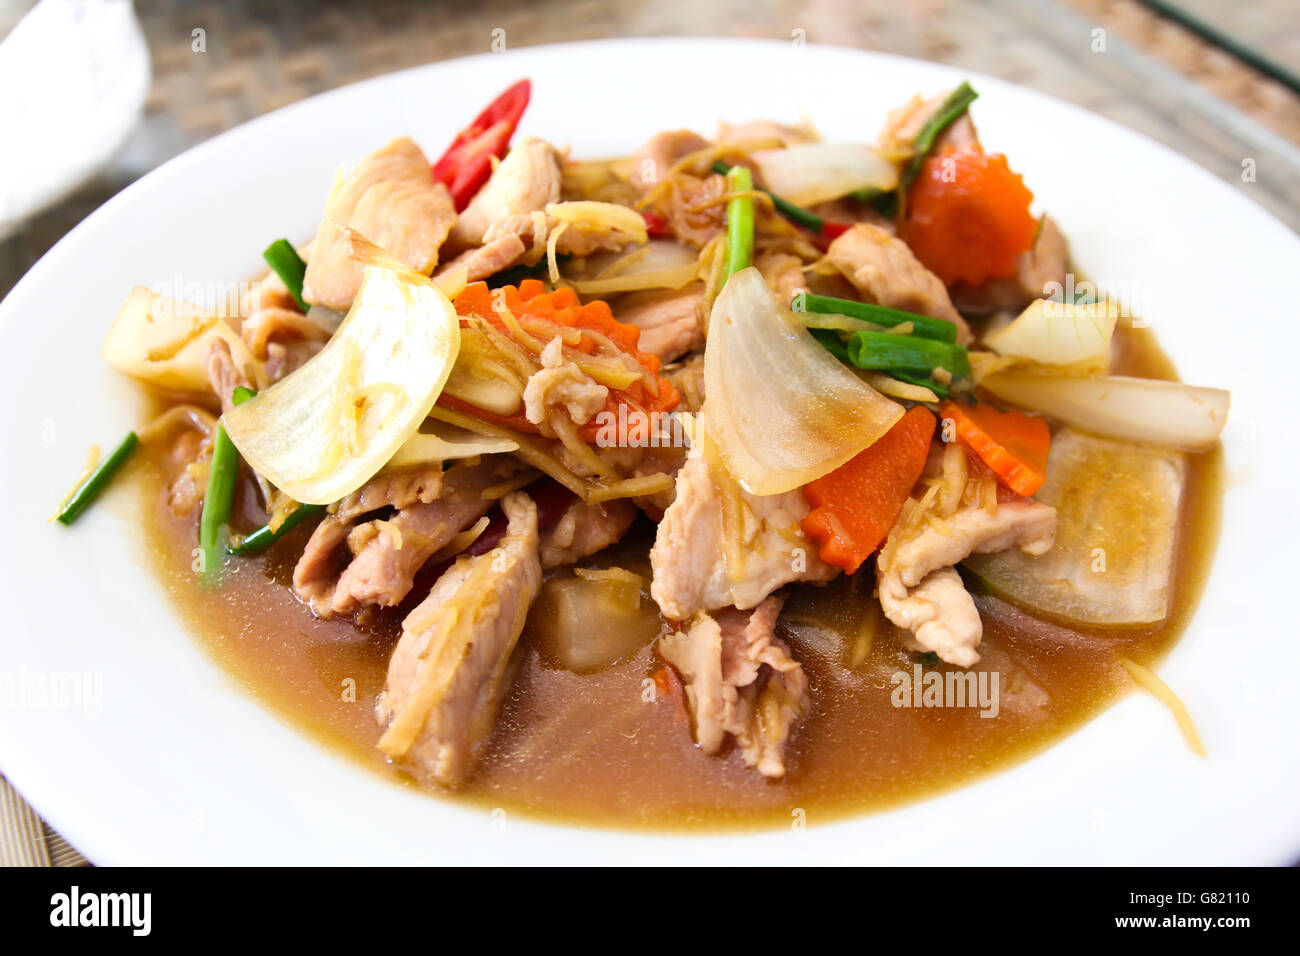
{"x": 594, "y": 748}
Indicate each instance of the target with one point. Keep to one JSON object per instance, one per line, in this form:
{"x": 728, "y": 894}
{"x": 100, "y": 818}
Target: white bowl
{"x": 178, "y": 764}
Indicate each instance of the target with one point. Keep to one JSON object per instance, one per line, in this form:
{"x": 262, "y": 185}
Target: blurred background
{"x": 99, "y": 92}
{"x": 1214, "y": 79}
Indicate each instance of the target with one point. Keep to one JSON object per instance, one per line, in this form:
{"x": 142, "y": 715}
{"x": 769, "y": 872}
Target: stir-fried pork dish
{"x": 686, "y": 485}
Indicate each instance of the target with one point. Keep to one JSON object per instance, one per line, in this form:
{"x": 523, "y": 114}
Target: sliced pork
{"x": 885, "y": 272}
{"x": 584, "y": 529}
{"x": 392, "y": 200}
{"x": 451, "y": 666}
{"x": 651, "y": 163}
{"x": 527, "y": 180}
{"x": 671, "y": 320}
{"x": 740, "y": 681}
{"x": 388, "y": 552}
{"x": 702, "y": 561}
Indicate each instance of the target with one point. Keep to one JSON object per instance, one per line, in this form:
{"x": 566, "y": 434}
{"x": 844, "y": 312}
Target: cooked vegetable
{"x": 1014, "y": 445}
{"x": 855, "y": 505}
{"x": 782, "y": 410}
{"x": 593, "y": 619}
{"x": 796, "y": 214}
{"x": 658, "y": 264}
{"x": 165, "y": 342}
{"x": 1117, "y": 512}
{"x": 288, "y": 265}
{"x": 1058, "y": 333}
{"x": 906, "y": 353}
{"x": 264, "y": 536}
{"x": 524, "y": 320}
{"x": 740, "y": 220}
{"x": 950, "y": 110}
{"x": 967, "y": 217}
{"x": 89, "y": 489}
{"x": 467, "y": 163}
{"x": 327, "y": 428}
{"x": 437, "y": 441}
{"x": 1135, "y": 409}
{"x": 1148, "y": 681}
{"x": 923, "y": 326}
{"x": 219, "y": 499}
{"x": 810, "y": 173}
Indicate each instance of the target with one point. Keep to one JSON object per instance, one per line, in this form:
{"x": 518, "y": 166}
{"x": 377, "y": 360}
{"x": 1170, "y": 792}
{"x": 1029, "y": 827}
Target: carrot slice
{"x": 1013, "y": 444}
{"x": 968, "y": 217}
{"x": 856, "y": 504}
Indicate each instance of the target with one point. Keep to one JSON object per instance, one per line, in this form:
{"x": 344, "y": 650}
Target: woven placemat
{"x": 218, "y": 64}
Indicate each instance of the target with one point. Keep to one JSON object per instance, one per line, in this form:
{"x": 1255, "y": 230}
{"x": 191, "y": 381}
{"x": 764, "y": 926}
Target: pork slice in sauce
{"x": 451, "y": 665}
{"x": 741, "y": 681}
{"x": 526, "y": 181}
{"x": 488, "y": 259}
{"x": 700, "y": 563}
{"x": 396, "y": 489}
{"x": 392, "y": 200}
{"x": 885, "y": 272}
{"x": 651, "y": 163}
{"x": 671, "y": 321}
{"x": 920, "y": 590}
{"x": 584, "y": 529}
{"x": 223, "y": 374}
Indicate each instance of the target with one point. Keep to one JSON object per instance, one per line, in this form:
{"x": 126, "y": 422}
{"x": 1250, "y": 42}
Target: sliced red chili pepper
{"x": 833, "y": 230}
{"x": 655, "y": 224}
{"x": 467, "y": 163}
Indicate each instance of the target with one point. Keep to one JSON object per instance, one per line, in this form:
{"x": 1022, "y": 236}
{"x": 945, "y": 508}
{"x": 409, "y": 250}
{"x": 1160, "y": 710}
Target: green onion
{"x": 957, "y": 102}
{"x": 740, "y": 220}
{"x": 924, "y": 381}
{"x": 922, "y": 325}
{"x": 809, "y": 220}
{"x": 887, "y": 352}
{"x": 832, "y": 342}
{"x": 97, "y": 480}
{"x": 949, "y": 111}
{"x": 219, "y": 500}
{"x": 288, "y": 265}
{"x": 263, "y": 537}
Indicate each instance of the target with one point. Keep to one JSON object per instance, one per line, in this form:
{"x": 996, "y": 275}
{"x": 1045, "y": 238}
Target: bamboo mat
{"x": 262, "y": 54}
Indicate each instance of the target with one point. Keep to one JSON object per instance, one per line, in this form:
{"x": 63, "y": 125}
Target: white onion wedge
{"x": 1058, "y": 333}
{"x": 437, "y": 442}
{"x": 327, "y": 428}
{"x": 817, "y": 172}
{"x": 1134, "y": 409}
{"x": 782, "y": 410}
{"x": 1117, "y": 510}
{"x": 165, "y": 342}
{"x": 659, "y": 264}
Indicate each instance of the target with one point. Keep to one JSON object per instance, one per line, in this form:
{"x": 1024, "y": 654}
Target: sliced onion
{"x": 1134, "y": 409}
{"x": 165, "y": 342}
{"x": 1058, "y": 333}
{"x": 324, "y": 430}
{"x": 810, "y": 173}
{"x": 781, "y": 409}
{"x": 438, "y": 442}
{"x": 1117, "y": 507}
{"x": 659, "y": 264}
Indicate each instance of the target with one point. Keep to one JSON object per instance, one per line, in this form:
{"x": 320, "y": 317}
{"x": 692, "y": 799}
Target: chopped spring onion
{"x": 262, "y": 538}
{"x": 923, "y": 326}
{"x": 797, "y": 214}
{"x": 949, "y": 111}
{"x": 288, "y": 265}
{"x": 740, "y": 220}
{"x": 97, "y": 480}
{"x": 219, "y": 500}
{"x": 886, "y": 352}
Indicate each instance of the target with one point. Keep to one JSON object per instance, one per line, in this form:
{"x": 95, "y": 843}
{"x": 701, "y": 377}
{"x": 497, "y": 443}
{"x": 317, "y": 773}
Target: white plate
{"x": 179, "y": 765}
